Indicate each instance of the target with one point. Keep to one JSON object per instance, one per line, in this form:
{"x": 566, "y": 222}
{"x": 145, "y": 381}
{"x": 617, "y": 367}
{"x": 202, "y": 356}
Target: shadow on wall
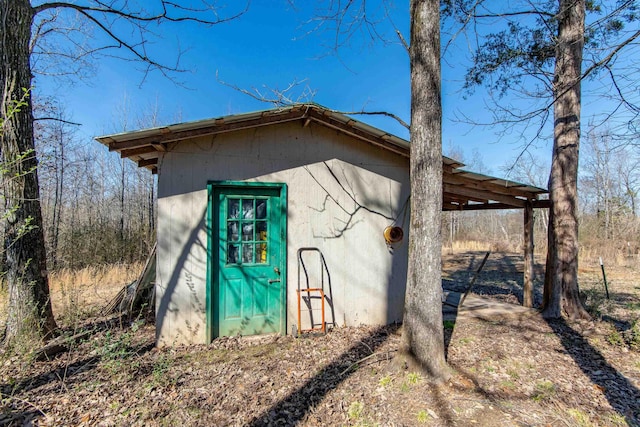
{"x": 372, "y": 203}
{"x": 353, "y": 204}
{"x": 349, "y": 189}
{"x": 280, "y": 151}
{"x": 166, "y": 311}
{"x": 187, "y": 281}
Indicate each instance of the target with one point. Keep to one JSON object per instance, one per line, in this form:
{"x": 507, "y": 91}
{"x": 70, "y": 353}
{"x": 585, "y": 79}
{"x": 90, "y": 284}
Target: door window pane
{"x": 247, "y": 223}
{"x": 247, "y": 231}
{"x": 232, "y": 254}
{"x": 261, "y": 256}
{"x": 261, "y": 231}
{"x": 233, "y": 210}
{"x": 232, "y": 231}
{"x": 261, "y": 209}
{"x": 247, "y": 253}
{"x": 247, "y": 209}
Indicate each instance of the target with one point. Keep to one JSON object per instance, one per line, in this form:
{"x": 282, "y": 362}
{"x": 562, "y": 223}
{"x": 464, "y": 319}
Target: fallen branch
{"x": 473, "y": 280}
{"x": 366, "y": 358}
{"x": 59, "y": 345}
{"x": 26, "y": 402}
{"x": 64, "y": 343}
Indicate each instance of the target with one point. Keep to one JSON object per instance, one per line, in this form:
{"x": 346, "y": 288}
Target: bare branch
{"x": 607, "y": 59}
{"x": 344, "y": 20}
{"x": 374, "y": 113}
{"x": 139, "y": 17}
{"x": 621, "y": 7}
{"x": 283, "y": 98}
{"x": 623, "y": 99}
{"x": 279, "y": 98}
{"x": 518, "y": 13}
{"x": 402, "y": 40}
{"x": 56, "y": 119}
{"x": 107, "y": 16}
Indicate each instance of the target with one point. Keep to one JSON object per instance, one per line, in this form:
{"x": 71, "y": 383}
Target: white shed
{"x": 253, "y": 207}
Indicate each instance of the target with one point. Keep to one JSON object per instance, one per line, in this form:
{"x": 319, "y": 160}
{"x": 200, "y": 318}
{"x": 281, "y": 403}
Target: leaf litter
{"x": 521, "y": 371}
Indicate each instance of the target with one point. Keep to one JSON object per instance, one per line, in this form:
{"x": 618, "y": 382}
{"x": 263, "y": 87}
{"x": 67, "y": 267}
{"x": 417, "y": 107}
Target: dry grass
{"x": 78, "y": 294}
{"x": 612, "y": 253}
{"x": 466, "y": 246}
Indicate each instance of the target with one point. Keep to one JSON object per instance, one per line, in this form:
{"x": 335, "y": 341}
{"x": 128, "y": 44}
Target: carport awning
{"x": 462, "y": 190}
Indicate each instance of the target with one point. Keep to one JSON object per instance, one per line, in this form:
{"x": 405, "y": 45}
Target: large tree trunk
{"x": 423, "y": 333}
{"x": 561, "y": 280}
{"x": 29, "y": 304}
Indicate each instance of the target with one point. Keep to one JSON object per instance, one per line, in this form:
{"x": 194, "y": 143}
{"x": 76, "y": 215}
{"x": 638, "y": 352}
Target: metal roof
{"x": 461, "y": 189}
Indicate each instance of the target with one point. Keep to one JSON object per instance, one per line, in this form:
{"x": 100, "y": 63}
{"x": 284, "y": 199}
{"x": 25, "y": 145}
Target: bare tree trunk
{"x": 57, "y": 200}
{"x": 29, "y": 308}
{"x": 423, "y": 332}
{"x": 55, "y": 218}
{"x": 561, "y": 281}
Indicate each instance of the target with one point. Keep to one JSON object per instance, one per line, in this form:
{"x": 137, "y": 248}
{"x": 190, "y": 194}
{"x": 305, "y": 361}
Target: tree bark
{"x": 423, "y": 337}
{"x": 561, "y": 280}
{"x": 29, "y": 310}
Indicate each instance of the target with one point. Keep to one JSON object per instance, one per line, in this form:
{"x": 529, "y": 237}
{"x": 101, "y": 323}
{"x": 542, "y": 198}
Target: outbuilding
{"x": 285, "y": 220}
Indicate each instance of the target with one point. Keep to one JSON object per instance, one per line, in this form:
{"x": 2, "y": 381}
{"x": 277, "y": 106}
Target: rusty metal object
{"x": 393, "y": 234}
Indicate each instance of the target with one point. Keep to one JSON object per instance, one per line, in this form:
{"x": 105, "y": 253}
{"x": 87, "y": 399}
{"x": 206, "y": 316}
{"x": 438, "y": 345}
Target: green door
{"x": 249, "y": 288}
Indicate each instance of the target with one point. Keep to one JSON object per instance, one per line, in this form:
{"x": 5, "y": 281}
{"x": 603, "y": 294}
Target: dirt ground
{"x": 515, "y": 370}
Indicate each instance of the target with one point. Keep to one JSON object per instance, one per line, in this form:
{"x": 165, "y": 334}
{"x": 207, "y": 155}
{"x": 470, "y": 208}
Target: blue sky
{"x": 269, "y": 47}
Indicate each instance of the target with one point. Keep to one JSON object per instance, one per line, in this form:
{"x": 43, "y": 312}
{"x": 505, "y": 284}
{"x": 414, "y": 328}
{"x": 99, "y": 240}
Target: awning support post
{"x": 527, "y": 292}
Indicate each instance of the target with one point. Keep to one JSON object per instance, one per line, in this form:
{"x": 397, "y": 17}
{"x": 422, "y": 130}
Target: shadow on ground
{"x": 502, "y": 279}
{"x": 623, "y": 396}
{"x": 502, "y": 276}
{"x": 295, "y": 407}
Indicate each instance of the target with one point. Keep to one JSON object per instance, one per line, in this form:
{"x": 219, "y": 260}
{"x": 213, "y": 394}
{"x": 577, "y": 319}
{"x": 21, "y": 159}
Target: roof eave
{"x": 462, "y": 190}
